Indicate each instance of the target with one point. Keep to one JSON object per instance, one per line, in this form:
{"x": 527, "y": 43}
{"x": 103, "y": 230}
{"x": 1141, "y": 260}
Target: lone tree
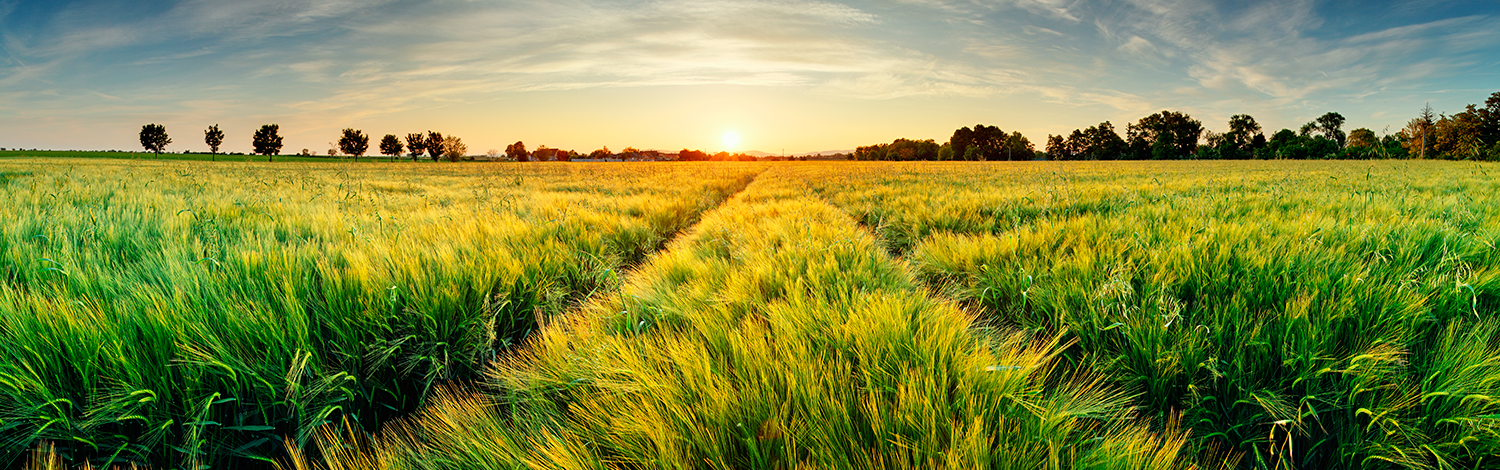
{"x": 434, "y": 145}
{"x": 416, "y": 144}
{"x": 454, "y": 148}
{"x": 214, "y": 138}
{"x": 518, "y": 152}
{"x": 154, "y": 138}
{"x": 267, "y": 141}
{"x": 354, "y": 142}
{"x": 391, "y": 146}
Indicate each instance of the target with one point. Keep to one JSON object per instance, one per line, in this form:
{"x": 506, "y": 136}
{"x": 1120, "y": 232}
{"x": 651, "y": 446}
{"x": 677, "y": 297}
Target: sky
{"x": 785, "y": 76}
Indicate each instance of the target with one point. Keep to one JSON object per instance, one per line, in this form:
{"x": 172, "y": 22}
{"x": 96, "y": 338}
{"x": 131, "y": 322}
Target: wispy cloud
{"x": 325, "y": 61}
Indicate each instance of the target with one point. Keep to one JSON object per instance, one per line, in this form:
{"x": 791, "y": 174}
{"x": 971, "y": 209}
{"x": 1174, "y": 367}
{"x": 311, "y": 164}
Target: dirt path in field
{"x": 627, "y": 270}
{"x": 672, "y": 237}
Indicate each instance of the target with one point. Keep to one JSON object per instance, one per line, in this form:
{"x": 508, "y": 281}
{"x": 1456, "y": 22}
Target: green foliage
{"x": 1166, "y": 135}
{"x": 1099, "y": 142}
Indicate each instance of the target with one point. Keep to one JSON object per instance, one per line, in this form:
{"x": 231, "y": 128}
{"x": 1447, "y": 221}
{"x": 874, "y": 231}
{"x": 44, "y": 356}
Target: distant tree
{"x": 517, "y": 151}
{"x": 603, "y": 153}
{"x": 1489, "y": 115}
{"x": 354, "y": 142}
{"x": 1363, "y": 138}
{"x": 1101, "y": 142}
{"x": 1164, "y": 135}
{"x": 454, "y": 148}
{"x": 1073, "y": 146}
{"x": 1331, "y": 126}
{"x": 1243, "y": 139}
{"x": 1018, "y": 147}
{"x": 154, "y": 138}
{"x": 981, "y": 143}
{"x": 214, "y": 138}
{"x": 390, "y": 146}
{"x": 1419, "y": 131}
{"x": 1057, "y": 148}
{"x": 267, "y": 141}
{"x": 416, "y": 144}
{"x": 543, "y": 154}
{"x": 1281, "y": 145}
{"x": 1456, "y": 137}
{"x": 434, "y": 145}
{"x": 912, "y": 150}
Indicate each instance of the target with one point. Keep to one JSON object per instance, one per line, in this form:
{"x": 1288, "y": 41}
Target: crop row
{"x": 1305, "y": 315}
{"x": 775, "y": 334}
{"x": 164, "y": 314}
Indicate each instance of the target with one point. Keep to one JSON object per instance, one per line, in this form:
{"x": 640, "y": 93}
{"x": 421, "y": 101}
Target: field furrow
{"x": 166, "y": 314}
{"x": 1307, "y": 315}
{"x": 776, "y": 334}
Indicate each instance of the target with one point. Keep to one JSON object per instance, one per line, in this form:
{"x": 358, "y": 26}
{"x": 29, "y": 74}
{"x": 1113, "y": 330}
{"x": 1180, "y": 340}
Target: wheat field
{"x": 1129, "y": 315}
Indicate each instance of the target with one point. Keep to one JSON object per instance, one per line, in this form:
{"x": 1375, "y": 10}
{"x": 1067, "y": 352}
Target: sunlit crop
{"x": 178, "y": 313}
{"x": 1268, "y": 315}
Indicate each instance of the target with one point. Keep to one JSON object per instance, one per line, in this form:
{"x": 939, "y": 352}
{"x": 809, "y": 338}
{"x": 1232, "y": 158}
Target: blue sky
{"x": 793, "y": 75}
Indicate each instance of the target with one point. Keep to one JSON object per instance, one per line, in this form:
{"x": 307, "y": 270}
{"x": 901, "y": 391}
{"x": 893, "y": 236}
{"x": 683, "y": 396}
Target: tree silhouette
{"x": 518, "y": 152}
{"x": 267, "y": 141}
{"x": 214, "y": 138}
{"x": 416, "y": 144}
{"x": 154, "y": 138}
{"x": 1164, "y": 135}
{"x": 454, "y": 148}
{"x": 434, "y": 145}
{"x": 390, "y": 145}
{"x": 1331, "y": 126}
{"x": 354, "y": 142}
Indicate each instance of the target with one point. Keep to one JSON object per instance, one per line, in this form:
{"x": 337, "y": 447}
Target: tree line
{"x": 1472, "y": 134}
{"x": 267, "y": 141}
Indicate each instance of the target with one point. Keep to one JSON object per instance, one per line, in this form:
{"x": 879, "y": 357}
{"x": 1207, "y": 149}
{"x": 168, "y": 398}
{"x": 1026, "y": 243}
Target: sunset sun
{"x": 731, "y": 140}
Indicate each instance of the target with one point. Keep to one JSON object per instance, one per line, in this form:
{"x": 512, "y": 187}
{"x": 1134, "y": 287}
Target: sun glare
{"x": 731, "y": 140}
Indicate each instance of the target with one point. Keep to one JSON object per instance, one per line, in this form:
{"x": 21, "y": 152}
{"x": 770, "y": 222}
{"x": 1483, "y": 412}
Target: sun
{"x": 731, "y": 140}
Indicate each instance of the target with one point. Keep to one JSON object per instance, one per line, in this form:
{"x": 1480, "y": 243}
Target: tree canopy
{"x": 267, "y": 141}
{"x": 354, "y": 142}
{"x": 434, "y": 145}
{"x": 1166, "y": 135}
{"x": 517, "y": 152}
{"x": 154, "y": 138}
{"x": 214, "y": 138}
{"x": 390, "y": 146}
{"x": 454, "y": 148}
{"x": 416, "y": 143}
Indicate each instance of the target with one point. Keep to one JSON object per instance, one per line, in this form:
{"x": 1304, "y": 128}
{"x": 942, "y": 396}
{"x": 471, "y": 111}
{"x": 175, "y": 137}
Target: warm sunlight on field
{"x": 1143, "y": 315}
